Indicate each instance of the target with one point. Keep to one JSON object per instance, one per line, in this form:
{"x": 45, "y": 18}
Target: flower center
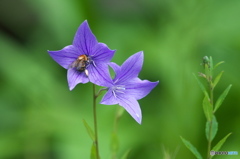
{"x": 118, "y": 89}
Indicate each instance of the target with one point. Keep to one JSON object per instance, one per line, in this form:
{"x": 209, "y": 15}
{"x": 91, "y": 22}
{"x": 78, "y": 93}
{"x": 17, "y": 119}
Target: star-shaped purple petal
{"x": 86, "y": 59}
{"x": 126, "y": 88}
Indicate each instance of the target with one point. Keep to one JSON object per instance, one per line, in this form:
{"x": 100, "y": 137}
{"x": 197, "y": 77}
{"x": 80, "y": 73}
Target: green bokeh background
{"x": 41, "y": 119}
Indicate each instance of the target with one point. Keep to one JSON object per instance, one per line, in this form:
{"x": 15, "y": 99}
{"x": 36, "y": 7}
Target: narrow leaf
{"x": 89, "y": 130}
{"x": 221, "y": 98}
{"x": 207, "y": 108}
{"x": 125, "y": 155}
{"x": 93, "y": 151}
{"x": 220, "y": 143}
{"x": 201, "y": 86}
{"x": 213, "y": 126}
{"x": 191, "y": 148}
{"x": 217, "y": 79}
{"x": 218, "y": 64}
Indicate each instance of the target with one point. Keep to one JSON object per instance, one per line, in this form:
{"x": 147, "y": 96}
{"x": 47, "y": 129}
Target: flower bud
{"x": 206, "y": 62}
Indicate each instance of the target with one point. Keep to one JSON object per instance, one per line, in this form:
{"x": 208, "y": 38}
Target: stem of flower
{"x": 95, "y": 120}
{"x": 210, "y": 84}
{"x": 114, "y": 152}
{"x": 210, "y": 127}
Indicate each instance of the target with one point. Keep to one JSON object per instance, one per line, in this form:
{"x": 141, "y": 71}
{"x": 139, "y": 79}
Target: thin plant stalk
{"x": 208, "y": 72}
{"x": 95, "y": 120}
{"x": 114, "y": 154}
{"x": 210, "y": 122}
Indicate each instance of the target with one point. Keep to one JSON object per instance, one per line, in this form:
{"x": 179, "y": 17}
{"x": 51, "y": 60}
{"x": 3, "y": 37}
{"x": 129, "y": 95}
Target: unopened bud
{"x": 206, "y": 62}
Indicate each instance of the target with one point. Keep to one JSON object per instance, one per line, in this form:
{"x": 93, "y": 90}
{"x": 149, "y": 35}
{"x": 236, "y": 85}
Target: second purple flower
{"x": 126, "y": 88}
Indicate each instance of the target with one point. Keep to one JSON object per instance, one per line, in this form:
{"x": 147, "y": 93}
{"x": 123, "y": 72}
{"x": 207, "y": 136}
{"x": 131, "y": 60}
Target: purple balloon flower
{"x": 126, "y": 88}
{"x": 86, "y": 59}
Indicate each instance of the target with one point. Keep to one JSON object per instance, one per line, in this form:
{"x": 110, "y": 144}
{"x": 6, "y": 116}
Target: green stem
{"x": 210, "y": 124}
{"x": 95, "y": 120}
{"x": 209, "y": 141}
{"x": 114, "y": 152}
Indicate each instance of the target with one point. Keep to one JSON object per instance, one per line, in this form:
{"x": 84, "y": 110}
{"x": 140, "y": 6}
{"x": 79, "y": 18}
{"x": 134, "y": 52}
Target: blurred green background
{"x": 41, "y": 119}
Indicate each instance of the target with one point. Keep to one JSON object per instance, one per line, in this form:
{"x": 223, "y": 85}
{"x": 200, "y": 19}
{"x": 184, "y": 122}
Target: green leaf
{"x": 207, "y": 108}
{"x": 89, "y": 130}
{"x": 125, "y": 155}
{"x": 218, "y": 64}
{"x": 221, "y": 98}
{"x": 191, "y": 148}
{"x": 201, "y": 86}
{"x": 220, "y": 143}
{"x": 217, "y": 79}
{"x": 114, "y": 143}
{"x": 93, "y": 151}
{"x": 213, "y": 128}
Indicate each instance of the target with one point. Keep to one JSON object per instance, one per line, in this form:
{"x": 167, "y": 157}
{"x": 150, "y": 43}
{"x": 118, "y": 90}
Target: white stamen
{"x": 117, "y": 89}
{"x": 120, "y": 87}
{"x": 86, "y": 72}
{"x": 114, "y": 94}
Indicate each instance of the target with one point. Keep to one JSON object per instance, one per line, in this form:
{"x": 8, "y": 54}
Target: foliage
{"x": 209, "y": 107}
